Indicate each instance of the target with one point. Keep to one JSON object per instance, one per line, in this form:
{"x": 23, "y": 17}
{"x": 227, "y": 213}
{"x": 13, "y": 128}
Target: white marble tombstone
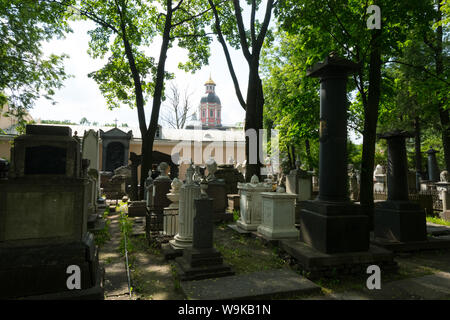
{"x": 90, "y": 151}
{"x": 170, "y": 219}
{"x": 188, "y": 192}
{"x": 379, "y": 177}
{"x": 278, "y": 215}
{"x": 251, "y": 203}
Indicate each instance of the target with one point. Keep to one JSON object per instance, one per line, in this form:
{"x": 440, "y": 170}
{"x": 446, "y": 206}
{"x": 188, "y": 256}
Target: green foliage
{"x": 26, "y": 74}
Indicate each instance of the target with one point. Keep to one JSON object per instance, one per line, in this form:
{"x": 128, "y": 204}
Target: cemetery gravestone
{"x": 278, "y": 216}
{"x": 251, "y": 203}
{"x": 202, "y": 261}
{"x": 217, "y": 191}
{"x": 398, "y": 219}
{"x": 43, "y": 219}
{"x": 324, "y": 221}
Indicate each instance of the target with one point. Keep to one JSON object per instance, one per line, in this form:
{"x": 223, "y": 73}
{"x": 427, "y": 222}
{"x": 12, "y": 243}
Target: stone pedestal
{"x": 331, "y": 223}
{"x": 202, "y": 261}
{"x": 398, "y": 219}
{"x": 251, "y": 204}
{"x": 43, "y": 219}
{"x": 444, "y": 195}
{"x": 278, "y": 217}
{"x": 170, "y": 221}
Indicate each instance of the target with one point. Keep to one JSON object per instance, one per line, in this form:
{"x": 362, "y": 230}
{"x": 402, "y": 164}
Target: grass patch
{"x": 438, "y": 221}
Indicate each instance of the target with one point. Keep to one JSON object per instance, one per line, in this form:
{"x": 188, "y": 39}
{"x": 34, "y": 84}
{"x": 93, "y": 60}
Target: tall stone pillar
{"x": 433, "y": 169}
{"x": 188, "y": 192}
{"x": 398, "y": 219}
{"x": 331, "y": 223}
{"x": 135, "y": 163}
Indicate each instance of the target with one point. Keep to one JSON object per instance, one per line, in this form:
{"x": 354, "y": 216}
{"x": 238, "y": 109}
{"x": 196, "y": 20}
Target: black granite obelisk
{"x": 202, "y": 261}
{"x": 398, "y": 219}
{"x": 433, "y": 169}
{"x": 331, "y": 223}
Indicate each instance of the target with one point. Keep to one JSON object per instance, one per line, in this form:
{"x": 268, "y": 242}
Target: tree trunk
{"x": 254, "y": 120}
{"x": 370, "y": 126}
{"x": 418, "y": 154}
{"x": 443, "y": 114}
{"x": 147, "y": 142}
{"x": 308, "y": 155}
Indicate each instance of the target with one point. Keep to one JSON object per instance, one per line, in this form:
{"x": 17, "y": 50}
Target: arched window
{"x": 211, "y": 113}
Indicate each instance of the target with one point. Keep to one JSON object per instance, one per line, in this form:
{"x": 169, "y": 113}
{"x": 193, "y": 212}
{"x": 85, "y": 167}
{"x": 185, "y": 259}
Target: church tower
{"x": 210, "y": 107}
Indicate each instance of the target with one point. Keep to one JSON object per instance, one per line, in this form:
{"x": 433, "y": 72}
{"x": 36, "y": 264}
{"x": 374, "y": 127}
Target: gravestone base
{"x": 197, "y": 264}
{"x": 323, "y": 224}
{"x": 401, "y": 221}
{"x": 238, "y": 230}
{"x": 319, "y": 264}
{"x": 41, "y": 270}
{"x": 247, "y": 226}
{"x": 169, "y": 252}
{"x": 223, "y": 217}
{"x": 431, "y": 243}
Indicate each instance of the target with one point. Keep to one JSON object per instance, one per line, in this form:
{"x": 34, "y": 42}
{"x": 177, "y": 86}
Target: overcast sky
{"x": 80, "y": 96}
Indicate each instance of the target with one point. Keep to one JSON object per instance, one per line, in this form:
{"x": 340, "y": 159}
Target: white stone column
{"x": 170, "y": 218}
{"x": 188, "y": 192}
{"x": 251, "y": 203}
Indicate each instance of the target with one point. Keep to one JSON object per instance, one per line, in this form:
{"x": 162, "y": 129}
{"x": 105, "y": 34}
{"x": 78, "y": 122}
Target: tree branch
{"x": 227, "y": 55}
{"x": 241, "y": 28}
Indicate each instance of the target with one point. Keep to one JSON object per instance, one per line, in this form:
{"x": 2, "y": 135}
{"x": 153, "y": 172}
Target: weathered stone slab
{"x": 255, "y": 285}
{"x": 313, "y": 260}
{"x": 432, "y": 243}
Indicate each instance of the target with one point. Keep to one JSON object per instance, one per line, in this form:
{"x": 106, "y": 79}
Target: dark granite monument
{"x": 231, "y": 176}
{"x": 43, "y": 219}
{"x": 433, "y": 169}
{"x": 331, "y": 223}
{"x": 202, "y": 261}
{"x": 398, "y": 219}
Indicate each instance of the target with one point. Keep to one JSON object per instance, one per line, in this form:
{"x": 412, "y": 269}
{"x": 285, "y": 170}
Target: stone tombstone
{"x": 202, "y": 261}
{"x": 278, "y": 215}
{"x": 433, "y": 169}
{"x": 398, "y": 219}
{"x": 115, "y": 148}
{"x": 188, "y": 192}
{"x": 135, "y": 163}
{"x": 161, "y": 187}
{"x": 43, "y": 218}
{"x": 353, "y": 184}
{"x": 299, "y": 182}
{"x": 251, "y": 203}
{"x": 148, "y": 189}
{"x": 231, "y": 176}
{"x": 379, "y": 178}
{"x": 323, "y": 221}
{"x": 170, "y": 220}
{"x": 443, "y": 187}
{"x": 217, "y": 191}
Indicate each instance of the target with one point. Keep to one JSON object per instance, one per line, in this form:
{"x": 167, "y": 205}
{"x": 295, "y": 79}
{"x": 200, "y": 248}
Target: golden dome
{"x": 210, "y": 81}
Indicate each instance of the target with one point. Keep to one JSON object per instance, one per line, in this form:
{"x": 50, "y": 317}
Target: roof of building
{"x": 169, "y": 134}
{"x": 210, "y": 98}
